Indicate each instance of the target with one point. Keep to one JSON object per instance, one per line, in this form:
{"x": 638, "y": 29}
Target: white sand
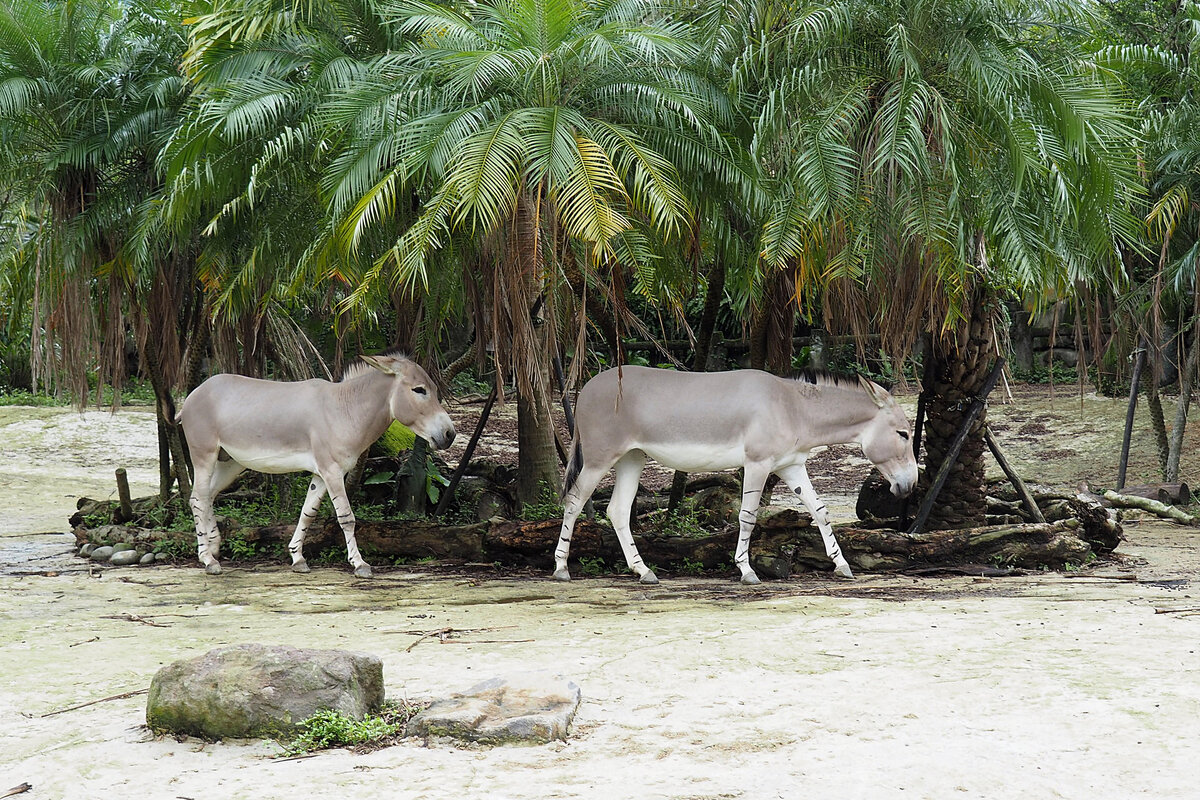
{"x": 1042, "y": 686}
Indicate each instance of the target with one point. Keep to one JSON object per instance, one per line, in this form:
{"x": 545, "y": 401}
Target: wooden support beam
{"x": 1022, "y": 490}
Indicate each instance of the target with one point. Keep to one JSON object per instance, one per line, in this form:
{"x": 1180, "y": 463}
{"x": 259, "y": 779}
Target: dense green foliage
{"x": 268, "y": 185}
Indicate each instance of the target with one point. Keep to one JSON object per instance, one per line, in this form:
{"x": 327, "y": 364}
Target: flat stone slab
{"x": 523, "y": 708}
{"x": 253, "y": 690}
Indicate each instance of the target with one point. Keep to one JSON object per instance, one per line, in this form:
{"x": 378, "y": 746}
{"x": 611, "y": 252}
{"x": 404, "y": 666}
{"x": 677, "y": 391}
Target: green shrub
{"x": 329, "y": 729}
{"x": 546, "y": 507}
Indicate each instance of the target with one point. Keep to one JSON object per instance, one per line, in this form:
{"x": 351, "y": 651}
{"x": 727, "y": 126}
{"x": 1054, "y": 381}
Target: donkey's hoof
{"x": 750, "y": 579}
{"x": 561, "y": 575}
{"x": 213, "y": 569}
{"x": 843, "y": 571}
{"x": 648, "y": 577}
{"x": 363, "y": 571}
{"x": 301, "y": 566}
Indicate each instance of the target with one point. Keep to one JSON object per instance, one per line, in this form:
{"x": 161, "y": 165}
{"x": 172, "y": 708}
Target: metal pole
{"x": 465, "y": 461}
{"x": 1138, "y": 364}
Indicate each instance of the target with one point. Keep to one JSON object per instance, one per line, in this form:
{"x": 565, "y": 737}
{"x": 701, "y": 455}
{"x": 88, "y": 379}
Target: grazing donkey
{"x": 234, "y": 423}
{"x": 710, "y": 421}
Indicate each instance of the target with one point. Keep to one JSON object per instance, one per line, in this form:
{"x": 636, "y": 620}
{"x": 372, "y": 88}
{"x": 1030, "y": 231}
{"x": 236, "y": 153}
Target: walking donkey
{"x": 718, "y": 420}
{"x": 234, "y": 423}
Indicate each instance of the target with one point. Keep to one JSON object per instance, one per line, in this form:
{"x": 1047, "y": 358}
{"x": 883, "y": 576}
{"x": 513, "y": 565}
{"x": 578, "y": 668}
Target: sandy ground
{"x": 1045, "y": 686}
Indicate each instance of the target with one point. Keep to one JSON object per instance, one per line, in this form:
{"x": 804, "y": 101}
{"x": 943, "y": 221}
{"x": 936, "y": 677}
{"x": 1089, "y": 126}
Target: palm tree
{"x": 1151, "y": 47}
{"x": 536, "y": 140}
{"x": 943, "y": 153}
{"x": 89, "y": 91}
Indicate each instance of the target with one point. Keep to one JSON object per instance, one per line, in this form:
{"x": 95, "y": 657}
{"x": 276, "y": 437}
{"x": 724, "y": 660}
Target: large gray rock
{"x": 252, "y": 690}
{"x": 524, "y": 708}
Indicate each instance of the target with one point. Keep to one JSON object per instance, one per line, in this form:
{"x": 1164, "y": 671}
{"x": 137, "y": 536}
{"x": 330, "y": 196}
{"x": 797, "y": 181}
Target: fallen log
{"x": 532, "y": 544}
{"x": 1098, "y": 525}
{"x": 1172, "y": 494}
{"x": 784, "y": 541}
{"x": 1030, "y": 546}
{"x": 1153, "y": 506}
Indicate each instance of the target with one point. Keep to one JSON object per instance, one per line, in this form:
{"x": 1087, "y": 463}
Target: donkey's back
{"x": 685, "y": 420}
{"x": 265, "y": 425}
{"x": 656, "y": 404}
{"x": 227, "y": 399}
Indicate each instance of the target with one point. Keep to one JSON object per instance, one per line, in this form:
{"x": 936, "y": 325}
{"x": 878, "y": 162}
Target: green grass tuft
{"x": 325, "y": 730}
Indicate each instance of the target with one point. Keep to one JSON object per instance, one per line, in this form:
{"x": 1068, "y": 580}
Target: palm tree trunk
{"x": 771, "y": 332}
{"x": 960, "y": 369}
{"x": 537, "y": 457}
{"x": 411, "y": 490}
{"x": 708, "y": 317}
{"x": 1159, "y": 423}
{"x": 537, "y": 464}
{"x": 197, "y": 347}
{"x": 1171, "y": 474}
{"x": 164, "y": 408}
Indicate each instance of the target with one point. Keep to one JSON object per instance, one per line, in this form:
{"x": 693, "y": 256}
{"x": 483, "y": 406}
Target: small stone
{"x": 147, "y": 559}
{"x": 123, "y": 558}
{"x": 86, "y": 550}
{"x": 524, "y": 708}
{"x": 161, "y": 557}
{"x": 101, "y": 553}
{"x": 121, "y": 547}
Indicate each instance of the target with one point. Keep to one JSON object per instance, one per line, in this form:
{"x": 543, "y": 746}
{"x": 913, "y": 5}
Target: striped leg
{"x": 201, "y": 504}
{"x": 210, "y": 478}
{"x": 796, "y": 477}
{"x": 585, "y": 484}
{"x": 628, "y": 470}
{"x": 345, "y": 517}
{"x": 752, "y": 489}
{"x": 312, "y": 504}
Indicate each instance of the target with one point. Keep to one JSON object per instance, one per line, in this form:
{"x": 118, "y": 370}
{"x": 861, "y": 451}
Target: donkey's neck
{"x": 834, "y": 413}
{"x": 362, "y": 400}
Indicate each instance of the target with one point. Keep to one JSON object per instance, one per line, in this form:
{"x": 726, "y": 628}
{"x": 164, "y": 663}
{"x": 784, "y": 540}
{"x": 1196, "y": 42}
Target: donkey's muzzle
{"x": 444, "y": 439}
{"x": 903, "y": 484}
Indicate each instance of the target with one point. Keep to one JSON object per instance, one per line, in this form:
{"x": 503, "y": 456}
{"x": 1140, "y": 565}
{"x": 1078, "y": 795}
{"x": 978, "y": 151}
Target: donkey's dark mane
{"x": 820, "y": 377}
{"x": 359, "y": 367}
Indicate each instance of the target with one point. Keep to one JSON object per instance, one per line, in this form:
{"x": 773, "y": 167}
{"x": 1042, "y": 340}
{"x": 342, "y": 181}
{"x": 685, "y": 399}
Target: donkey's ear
{"x": 384, "y": 364}
{"x": 878, "y": 394}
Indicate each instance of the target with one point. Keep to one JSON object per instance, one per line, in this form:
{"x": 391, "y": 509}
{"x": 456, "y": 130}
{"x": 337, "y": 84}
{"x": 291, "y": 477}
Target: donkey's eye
{"x": 419, "y": 390}
{"x": 903, "y": 435}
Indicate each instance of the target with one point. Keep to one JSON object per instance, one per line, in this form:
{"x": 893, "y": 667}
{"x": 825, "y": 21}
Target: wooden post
{"x": 1138, "y": 364}
{"x": 123, "y": 493}
{"x": 956, "y": 447}
{"x": 465, "y": 461}
{"x": 1022, "y": 489}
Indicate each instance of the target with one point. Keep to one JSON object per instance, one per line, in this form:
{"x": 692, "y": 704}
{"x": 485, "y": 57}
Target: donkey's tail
{"x": 574, "y": 465}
